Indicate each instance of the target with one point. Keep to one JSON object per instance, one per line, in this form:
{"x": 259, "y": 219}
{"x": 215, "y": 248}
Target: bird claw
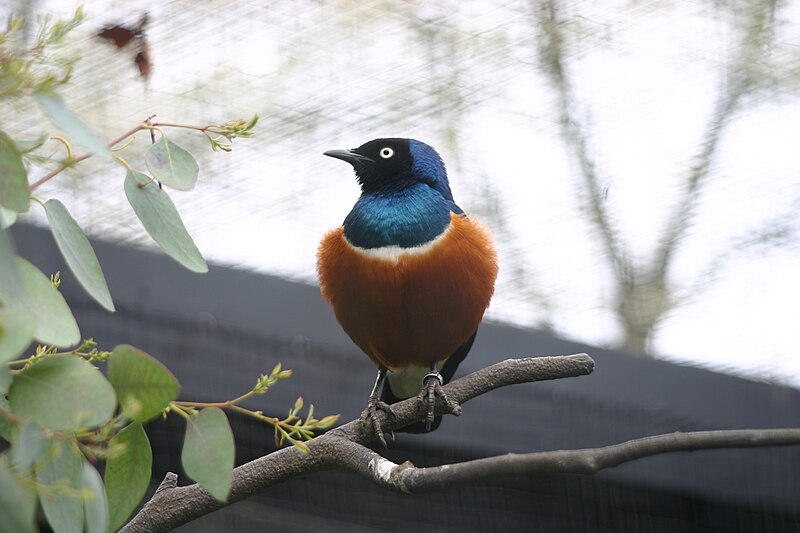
{"x": 431, "y": 388}
{"x": 373, "y": 406}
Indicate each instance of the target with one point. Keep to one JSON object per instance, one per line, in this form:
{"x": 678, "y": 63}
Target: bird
{"x": 122, "y": 35}
{"x": 408, "y": 274}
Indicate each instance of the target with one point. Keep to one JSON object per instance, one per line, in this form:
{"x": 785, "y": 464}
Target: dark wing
{"x": 120, "y": 35}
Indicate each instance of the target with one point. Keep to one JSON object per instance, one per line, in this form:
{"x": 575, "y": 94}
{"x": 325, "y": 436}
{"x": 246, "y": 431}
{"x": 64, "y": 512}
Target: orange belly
{"x": 416, "y": 306}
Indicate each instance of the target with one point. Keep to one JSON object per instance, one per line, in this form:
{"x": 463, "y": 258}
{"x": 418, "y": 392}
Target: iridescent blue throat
{"x": 407, "y": 217}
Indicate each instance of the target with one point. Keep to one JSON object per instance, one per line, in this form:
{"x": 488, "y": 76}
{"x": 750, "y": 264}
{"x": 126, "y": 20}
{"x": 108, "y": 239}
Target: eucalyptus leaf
{"x": 17, "y": 502}
{"x": 143, "y": 385}
{"x": 208, "y": 451}
{"x": 62, "y": 467}
{"x": 161, "y": 220}
{"x": 24, "y": 146}
{"x": 7, "y": 217}
{"x": 78, "y": 253}
{"x": 172, "y": 165}
{"x": 16, "y": 322}
{"x": 62, "y": 392}
{"x": 27, "y": 447}
{"x": 127, "y": 474}
{"x": 14, "y": 193}
{"x": 10, "y": 280}
{"x": 16, "y": 331}
{"x": 73, "y": 127}
{"x": 51, "y": 317}
{"x": 5, "y": 379}
{"x": 95, "y": 505}
{"x": 6, "y": 427}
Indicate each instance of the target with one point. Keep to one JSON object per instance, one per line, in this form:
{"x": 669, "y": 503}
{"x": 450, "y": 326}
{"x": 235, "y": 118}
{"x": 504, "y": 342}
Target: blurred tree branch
{"x": 551, "y": 53}
{"x": 644, "y": 291}
{"x": 740, "y": 79}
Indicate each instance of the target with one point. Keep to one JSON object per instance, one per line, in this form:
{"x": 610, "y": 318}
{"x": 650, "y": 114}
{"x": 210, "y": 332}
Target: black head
{"x": 384, "y": 164}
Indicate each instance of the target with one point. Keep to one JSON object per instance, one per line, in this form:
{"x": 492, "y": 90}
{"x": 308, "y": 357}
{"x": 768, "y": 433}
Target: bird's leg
{"x": 374, "y": 404}
{"x": 429, "y": 383}
{"x": 431, "y": 388}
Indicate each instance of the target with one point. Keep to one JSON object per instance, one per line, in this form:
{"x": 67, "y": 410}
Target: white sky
{"x": 647, "y": 77}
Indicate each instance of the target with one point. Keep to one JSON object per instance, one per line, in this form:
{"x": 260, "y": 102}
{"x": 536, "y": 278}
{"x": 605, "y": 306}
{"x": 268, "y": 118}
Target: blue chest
{"x": 406, "y": 218}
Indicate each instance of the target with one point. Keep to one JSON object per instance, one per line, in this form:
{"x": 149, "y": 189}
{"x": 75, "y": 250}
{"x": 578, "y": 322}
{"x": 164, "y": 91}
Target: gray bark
{"x": 344, "y": 448}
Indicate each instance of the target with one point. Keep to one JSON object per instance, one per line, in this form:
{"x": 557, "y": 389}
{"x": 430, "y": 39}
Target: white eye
{"x": 386, "y": 152}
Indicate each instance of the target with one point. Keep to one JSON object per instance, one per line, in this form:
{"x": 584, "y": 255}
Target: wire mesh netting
{"x": 648, "y": 84}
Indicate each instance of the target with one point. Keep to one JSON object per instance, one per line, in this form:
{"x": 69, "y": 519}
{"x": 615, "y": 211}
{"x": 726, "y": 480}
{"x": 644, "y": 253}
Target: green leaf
{"x": 128, "y": 474}
{"x": 78, "y": 253}
{"x": 5, "y": 379}
{"x": 161, "y": 220}
{"x": 7, "y": 217}
{"x": 143, "y": 385}
{"x": 6, "y": 427}
{"x": 16, "y": 324}
{"x": 30, "y": 443}
{"x": 24, "y": 146}
{"x": 16, "y": 332}
{"x": 172, "y": 165}
{"x": 95, "y": 505}
{"x": 62, "y": 468}
{"x": 51, "y": 317}
{"x": 62, "y": 392}
{"x": 17, "y": 502}
{"x": 75, "y": 129}
{"x": 10, "y": 280}
{"x": 14, "y": 193}
{"x": 208, "y": 451}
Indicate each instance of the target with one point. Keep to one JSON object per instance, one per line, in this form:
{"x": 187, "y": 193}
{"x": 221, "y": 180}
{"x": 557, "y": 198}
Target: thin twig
{"x": 82, "y": 157}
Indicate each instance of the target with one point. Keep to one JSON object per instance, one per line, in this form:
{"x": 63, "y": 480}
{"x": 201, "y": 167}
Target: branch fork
{"x": 345, "y": 448}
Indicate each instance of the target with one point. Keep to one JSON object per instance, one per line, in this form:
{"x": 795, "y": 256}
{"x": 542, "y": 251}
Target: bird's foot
{"x": 371, "y": 413}
{"x": 431, "y": 388}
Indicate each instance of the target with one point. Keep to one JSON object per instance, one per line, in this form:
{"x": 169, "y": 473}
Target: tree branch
{"x": 406, "y": 478}
{"x": 73, "y": 161}
{"x": 757, "y": 34}
{"x": 172, "y": 506}
{"x": 644, "y": 291}
{"x": 551, "y": 53}
{"x": 344, "y": 448}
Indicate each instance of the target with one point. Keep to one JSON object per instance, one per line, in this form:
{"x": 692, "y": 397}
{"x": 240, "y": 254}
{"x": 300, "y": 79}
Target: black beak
{"x": 359, "y": 162}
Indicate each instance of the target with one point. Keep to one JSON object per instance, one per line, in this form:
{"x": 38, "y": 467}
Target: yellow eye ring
{"x": 386, "y": 152}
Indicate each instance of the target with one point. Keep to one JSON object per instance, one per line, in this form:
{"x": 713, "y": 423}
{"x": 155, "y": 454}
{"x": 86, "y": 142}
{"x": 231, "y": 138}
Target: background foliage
{"x": 60, "y": 416}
